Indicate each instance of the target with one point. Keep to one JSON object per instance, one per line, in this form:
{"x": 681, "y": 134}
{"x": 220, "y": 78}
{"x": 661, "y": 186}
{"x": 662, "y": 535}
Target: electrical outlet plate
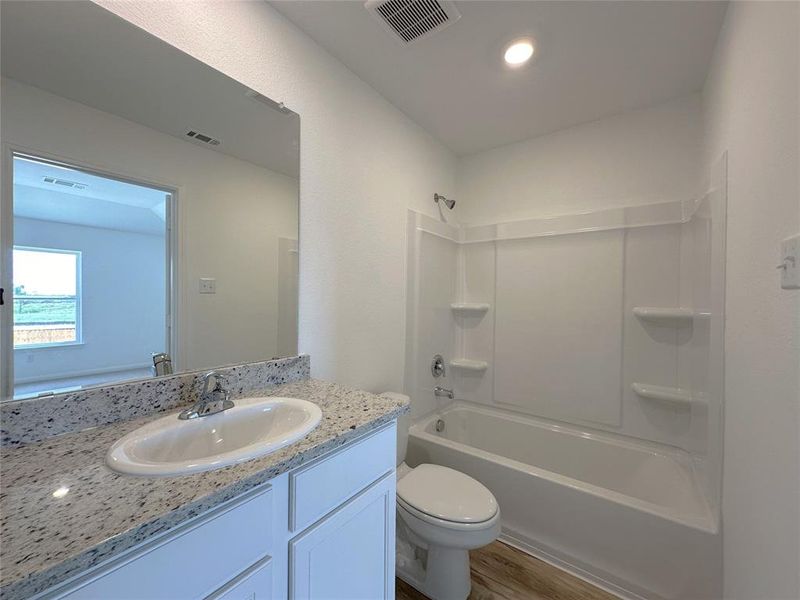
{"x": 208, "y": 285}
{"x": 790, "y": 265}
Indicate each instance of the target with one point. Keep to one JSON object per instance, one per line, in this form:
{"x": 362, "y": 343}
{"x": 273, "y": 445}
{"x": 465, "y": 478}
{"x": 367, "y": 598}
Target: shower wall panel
{"x": 475, "y": 331}
{"x": 432, "y": 286}
{"x": 558, "y": 337}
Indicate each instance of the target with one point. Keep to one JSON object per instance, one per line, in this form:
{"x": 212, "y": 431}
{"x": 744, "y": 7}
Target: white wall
{"x": 122, "y": 273}
{"x": 639, "y": 157}
{"x": 362, "y": 164}
{"x": 231, "y": 214}
{"x": 751, "y": 110}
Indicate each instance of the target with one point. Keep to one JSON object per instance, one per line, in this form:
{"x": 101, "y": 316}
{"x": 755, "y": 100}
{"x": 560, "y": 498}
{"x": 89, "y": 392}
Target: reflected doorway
{"x": 91, "y": 274}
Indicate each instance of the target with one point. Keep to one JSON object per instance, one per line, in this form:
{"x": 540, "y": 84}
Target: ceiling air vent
{"x": 64, "y": 183}
{"x": 202, "y": 138}
{"x": 412, "y": 20}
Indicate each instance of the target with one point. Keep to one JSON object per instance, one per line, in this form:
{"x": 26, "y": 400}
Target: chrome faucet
{"x": 162, "y": 364}
{"x": 212, "y": 400}
{"x": 441, "y": 392}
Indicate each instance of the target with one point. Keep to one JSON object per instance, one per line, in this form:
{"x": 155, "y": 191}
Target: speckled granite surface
{"x": 27, "y": 421}
{"x": 47, "y": 539}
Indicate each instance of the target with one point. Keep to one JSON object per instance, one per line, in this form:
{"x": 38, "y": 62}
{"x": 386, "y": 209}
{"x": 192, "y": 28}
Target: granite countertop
{"x": 47, "y": 540}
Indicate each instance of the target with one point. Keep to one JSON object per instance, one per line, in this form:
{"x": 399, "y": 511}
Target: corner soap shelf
{"x": 467, "y": 364}
{"x": 665, "y": 316}
{"x": 673, "y": 395}
{"x": 469, "y": 308}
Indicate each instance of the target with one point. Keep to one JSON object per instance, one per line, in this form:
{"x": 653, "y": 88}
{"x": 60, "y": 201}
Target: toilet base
{"x": 439, "y": 573}
{"x": 448, "y": 579}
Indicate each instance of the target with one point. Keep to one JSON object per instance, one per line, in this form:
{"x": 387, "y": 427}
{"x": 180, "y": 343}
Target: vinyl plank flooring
{"x": 403, "y": 591}
{"x": 500, "y": 572}
{"x": 489, "y": 588}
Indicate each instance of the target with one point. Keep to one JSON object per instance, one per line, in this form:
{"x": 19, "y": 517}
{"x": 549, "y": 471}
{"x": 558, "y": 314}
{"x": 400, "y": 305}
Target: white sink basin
{"x": 253, "y": 427}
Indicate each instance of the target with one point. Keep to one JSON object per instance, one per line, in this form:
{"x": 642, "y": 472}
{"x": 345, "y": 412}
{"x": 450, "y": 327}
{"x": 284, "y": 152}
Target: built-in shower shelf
{"x": 467, "y": 364}
{"x": 663, "y": 393}
{"x": 469, "y": 308}
{"x": 665, "y": 316}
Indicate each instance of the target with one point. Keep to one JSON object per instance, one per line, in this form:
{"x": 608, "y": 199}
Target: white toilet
{"x": 442, "y": 514}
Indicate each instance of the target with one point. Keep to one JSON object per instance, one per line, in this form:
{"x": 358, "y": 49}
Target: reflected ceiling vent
{"x": 412, "y": 20}
{"x": 64, "y": 183}
{"x": 202, "y": 138}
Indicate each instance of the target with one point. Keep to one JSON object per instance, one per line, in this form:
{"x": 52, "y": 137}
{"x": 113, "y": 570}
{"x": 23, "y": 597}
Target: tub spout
{"x": 443, "y": 392}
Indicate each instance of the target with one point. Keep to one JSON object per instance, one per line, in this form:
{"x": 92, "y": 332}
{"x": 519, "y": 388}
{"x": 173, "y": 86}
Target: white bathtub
{"x": 630, "y": 516}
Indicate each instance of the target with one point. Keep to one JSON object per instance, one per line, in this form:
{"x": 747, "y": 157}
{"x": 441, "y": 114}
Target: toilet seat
{"x": 443, "y": 525}
{"x": 446, "y": 497}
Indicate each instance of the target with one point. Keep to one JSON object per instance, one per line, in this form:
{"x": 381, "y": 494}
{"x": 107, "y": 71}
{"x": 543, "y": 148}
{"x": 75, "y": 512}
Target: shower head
{"x": 448, "y": 203}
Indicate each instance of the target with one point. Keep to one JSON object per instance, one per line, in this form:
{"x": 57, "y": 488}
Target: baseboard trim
{"x": 85, "y": 373}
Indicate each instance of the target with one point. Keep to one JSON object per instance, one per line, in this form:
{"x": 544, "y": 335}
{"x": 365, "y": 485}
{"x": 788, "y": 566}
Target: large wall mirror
{"x": 149, "y": 207}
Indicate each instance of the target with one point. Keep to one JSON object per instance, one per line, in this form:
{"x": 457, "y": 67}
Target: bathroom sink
{"x": 252, "y": 428}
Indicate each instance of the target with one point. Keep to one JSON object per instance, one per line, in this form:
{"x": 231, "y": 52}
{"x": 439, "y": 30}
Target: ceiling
{"x": 99, "y": 202}
{"x": 81, "y": 51}
{"x": 594, "y": 59}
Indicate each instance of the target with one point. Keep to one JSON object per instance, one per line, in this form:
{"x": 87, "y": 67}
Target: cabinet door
{"x": 348, "y": 555}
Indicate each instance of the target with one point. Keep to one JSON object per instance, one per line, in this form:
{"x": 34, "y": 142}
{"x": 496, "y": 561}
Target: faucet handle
{"x": 219, "y": 382}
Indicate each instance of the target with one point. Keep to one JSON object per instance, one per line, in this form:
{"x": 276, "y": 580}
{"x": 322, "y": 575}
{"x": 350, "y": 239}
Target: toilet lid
{"x": 447, "y": 494}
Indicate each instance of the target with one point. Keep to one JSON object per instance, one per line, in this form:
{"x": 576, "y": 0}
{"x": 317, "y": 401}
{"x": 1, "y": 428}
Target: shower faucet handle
{"x": 437, "y": 367}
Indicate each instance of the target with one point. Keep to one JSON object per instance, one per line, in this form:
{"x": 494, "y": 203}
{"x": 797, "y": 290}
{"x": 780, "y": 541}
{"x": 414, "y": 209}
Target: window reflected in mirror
{"x": 46, "y": 297}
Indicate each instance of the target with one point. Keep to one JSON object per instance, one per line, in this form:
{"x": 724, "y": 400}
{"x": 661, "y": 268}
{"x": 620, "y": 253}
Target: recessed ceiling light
{"x": 518, "y": 53}
{"x": 61, "y": 492}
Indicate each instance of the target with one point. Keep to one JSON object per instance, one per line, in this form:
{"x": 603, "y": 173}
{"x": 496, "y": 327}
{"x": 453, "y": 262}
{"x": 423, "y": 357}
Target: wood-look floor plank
{"x": 488, "y": 588}
{"x": 500, "y": 572}
{"x": 403, "y": 591}
{"x": 531, "y": 577}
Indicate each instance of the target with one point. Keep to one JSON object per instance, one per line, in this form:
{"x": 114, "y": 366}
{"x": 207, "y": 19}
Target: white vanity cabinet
{"x": 322, "y": 531}
{"x": 350, "y": 553}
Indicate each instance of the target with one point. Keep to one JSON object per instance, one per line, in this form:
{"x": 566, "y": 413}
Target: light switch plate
{"x": 208, "y": 285}
{"x": 790, "y": 267}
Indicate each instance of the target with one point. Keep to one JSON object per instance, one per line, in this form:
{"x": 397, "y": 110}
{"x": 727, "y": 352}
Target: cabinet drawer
{"x": 194, "y": 561}
{"x": 321, "y": 486}
{"x": 253, "y": 584}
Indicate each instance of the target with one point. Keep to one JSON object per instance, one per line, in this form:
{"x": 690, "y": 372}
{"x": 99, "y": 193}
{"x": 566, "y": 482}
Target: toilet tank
{"x": 403, "y": 423}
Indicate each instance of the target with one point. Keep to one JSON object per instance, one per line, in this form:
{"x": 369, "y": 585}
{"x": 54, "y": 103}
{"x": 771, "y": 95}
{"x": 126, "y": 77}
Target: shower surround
{"x": 586, "y": 335}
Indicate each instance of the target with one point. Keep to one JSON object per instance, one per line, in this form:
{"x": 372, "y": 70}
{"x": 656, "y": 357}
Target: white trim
{"x": 175, "y": 285}
{"x": 6, "y": 274}
{"x": 86, "y": 373}
{"x": 46, "y": 346}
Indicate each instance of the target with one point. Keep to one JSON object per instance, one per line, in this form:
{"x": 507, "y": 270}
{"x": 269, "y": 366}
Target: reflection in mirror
{"x": 151, "y": 221}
